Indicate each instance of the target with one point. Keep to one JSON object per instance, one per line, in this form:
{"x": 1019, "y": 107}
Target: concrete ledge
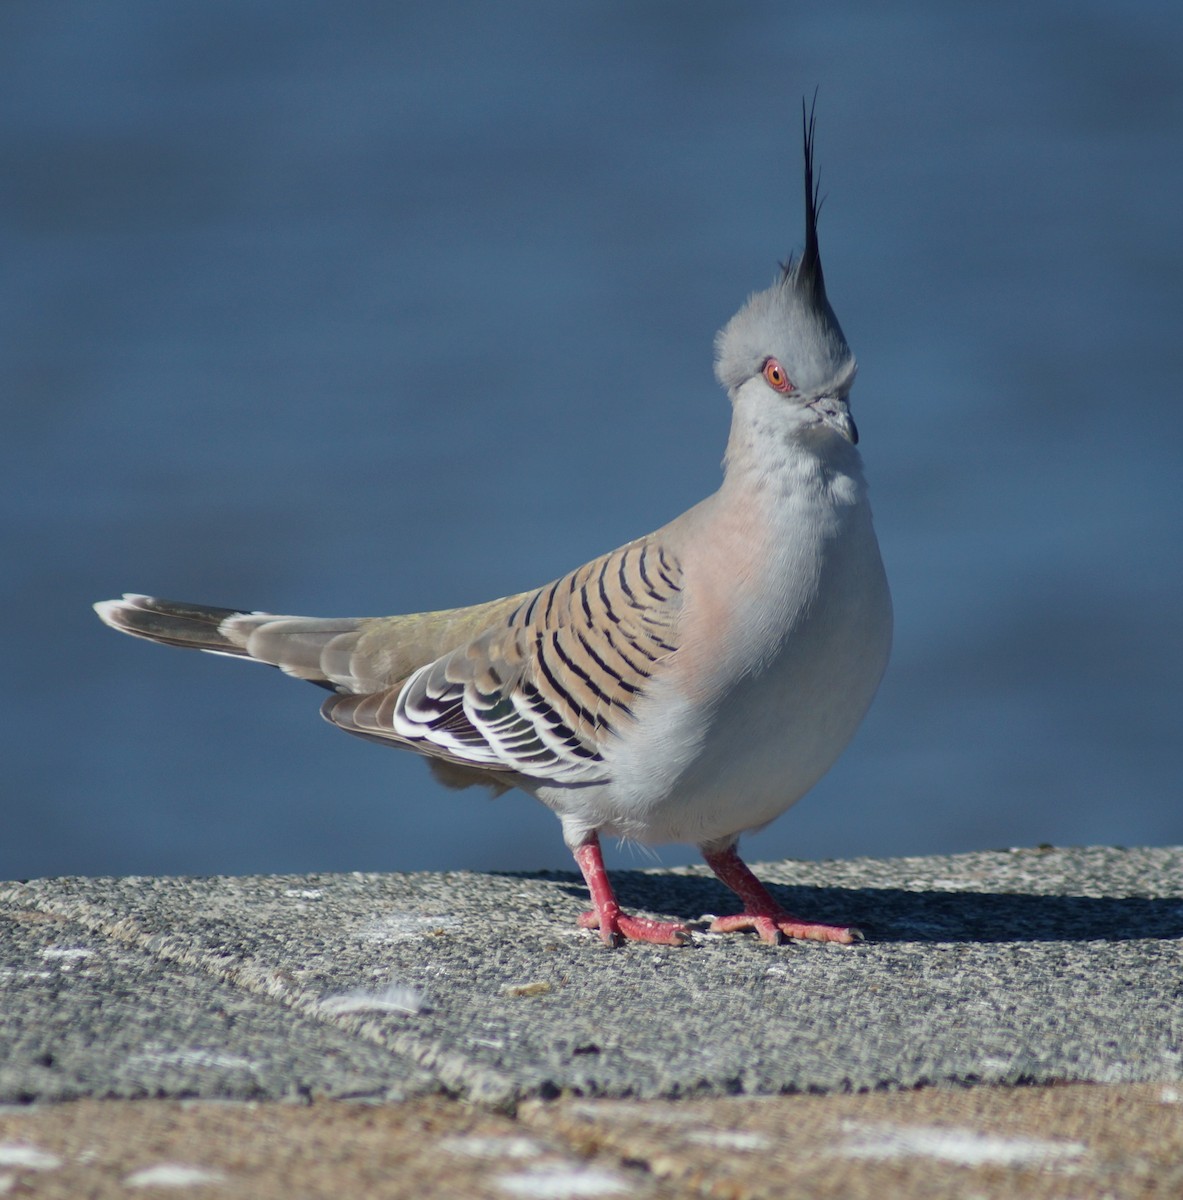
{"x": 1025, "y": 966}
{"x": 1119, "y": 1142}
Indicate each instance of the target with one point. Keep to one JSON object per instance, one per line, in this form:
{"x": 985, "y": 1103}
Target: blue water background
{"x": 372, "y": 308}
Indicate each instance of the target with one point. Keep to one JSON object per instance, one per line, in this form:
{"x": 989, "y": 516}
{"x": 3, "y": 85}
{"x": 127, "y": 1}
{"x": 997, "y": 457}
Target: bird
{"x": 688, "y": 687}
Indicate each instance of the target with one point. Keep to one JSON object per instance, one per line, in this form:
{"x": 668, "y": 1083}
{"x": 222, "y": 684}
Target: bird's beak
{"x": 834, "y": 412}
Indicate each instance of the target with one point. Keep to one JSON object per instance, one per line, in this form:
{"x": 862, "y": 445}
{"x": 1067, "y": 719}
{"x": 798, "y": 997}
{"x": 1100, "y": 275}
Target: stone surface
{"x": 83, "y": 1015}
{"x": 1009, "y": 967}
{"x": 418, "y": 1148}
{"x": 614, "y": 1070}
{"x": 1075, "y": 1142}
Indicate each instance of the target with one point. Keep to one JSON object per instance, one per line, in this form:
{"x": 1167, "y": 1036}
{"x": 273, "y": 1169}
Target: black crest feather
{"x": 807, "y": 270}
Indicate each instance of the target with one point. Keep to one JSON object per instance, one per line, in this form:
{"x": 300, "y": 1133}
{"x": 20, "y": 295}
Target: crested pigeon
{"x": 687, "y": 687}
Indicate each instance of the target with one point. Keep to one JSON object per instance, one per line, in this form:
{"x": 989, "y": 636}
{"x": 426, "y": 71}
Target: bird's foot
{"x": 617, "y": 927}
{"x": 761, "y": 912}
{"x": 776, "y": 925}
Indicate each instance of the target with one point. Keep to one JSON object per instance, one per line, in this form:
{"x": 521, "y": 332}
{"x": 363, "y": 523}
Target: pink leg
{"x": 615, "y": 926}
{"x": 761, "y": 912}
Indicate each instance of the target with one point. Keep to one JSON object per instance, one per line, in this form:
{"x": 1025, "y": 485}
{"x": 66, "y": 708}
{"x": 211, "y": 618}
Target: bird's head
{"x": 785, "y": 346}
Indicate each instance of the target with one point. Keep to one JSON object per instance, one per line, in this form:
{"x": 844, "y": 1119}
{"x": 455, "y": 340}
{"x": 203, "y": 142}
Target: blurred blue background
{"x": 360, "y": 309}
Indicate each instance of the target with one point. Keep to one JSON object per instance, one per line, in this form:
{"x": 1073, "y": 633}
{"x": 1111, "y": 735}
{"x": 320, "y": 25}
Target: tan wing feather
{"x": 539, "y": 691}
{"x": 361, "y": 655}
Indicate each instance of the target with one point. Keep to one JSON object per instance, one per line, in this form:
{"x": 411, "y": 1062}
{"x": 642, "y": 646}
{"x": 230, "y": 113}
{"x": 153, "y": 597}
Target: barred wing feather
{"x": 538, "y": 694}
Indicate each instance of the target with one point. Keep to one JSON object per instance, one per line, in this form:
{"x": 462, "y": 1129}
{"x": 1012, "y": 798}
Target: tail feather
{"x": 304, "y": 647}
{"x": 317, "y": 649}
{"x": 171, "y": 622}
{"x": 351, "y": 655}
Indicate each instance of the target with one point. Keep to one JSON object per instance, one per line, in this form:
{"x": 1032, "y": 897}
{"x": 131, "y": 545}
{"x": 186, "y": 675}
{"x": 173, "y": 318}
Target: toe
{"x": 621, "y": 927}
{"x": 661, "y": 933}
{"x": 807, "y": 931}
{"x": 772, "y": 928}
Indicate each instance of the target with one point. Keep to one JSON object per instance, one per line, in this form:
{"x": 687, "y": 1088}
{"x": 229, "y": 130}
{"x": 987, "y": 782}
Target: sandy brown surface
{"x": 1080, "y": 1141}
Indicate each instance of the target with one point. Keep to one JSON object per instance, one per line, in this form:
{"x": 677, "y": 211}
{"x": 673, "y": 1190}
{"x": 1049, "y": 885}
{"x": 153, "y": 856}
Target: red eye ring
{"x": 776, "y": 376}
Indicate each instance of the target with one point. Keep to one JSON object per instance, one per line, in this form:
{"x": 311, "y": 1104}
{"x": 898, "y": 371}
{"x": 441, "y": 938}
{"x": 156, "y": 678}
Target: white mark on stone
{"x": 621, "y": 1110}
{"x": 194, "y": 1057}
{"x": 67, "y": 952}
{"x": 392, "y": 998}
{"x": 729, "y": 1139}
{"x": 944, "y": 885}
{"x": 173, "y": 1175}
{"x": 403, "y": 926}
{"x": 562, "y": 1182}
{"x": 492, "y": 1147}
{"x": 1169, "y": 1095}
{"x": 24, "y": 1157}
{"x": 965, "y": 1147}
{"x": 992, "y": 1063}
{"x": 303, "y": 893}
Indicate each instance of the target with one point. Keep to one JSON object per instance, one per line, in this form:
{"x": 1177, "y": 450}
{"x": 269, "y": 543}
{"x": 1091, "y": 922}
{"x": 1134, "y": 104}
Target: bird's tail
{"x": 355, "y": 655}
{"x": 318, "y": 650}
{"x": 172, "y": 622}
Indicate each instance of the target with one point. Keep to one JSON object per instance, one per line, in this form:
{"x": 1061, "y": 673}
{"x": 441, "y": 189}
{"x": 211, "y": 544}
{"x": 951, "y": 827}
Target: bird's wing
{"x": 540, "y": 692}
{"x": 358, "y": 655}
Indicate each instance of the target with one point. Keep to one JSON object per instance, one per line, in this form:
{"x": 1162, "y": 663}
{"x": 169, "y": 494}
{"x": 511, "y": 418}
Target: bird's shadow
{"x": 899, "y": 915}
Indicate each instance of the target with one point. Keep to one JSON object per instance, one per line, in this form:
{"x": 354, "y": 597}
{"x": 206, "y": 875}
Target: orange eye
{"x": 775, "y": 374}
